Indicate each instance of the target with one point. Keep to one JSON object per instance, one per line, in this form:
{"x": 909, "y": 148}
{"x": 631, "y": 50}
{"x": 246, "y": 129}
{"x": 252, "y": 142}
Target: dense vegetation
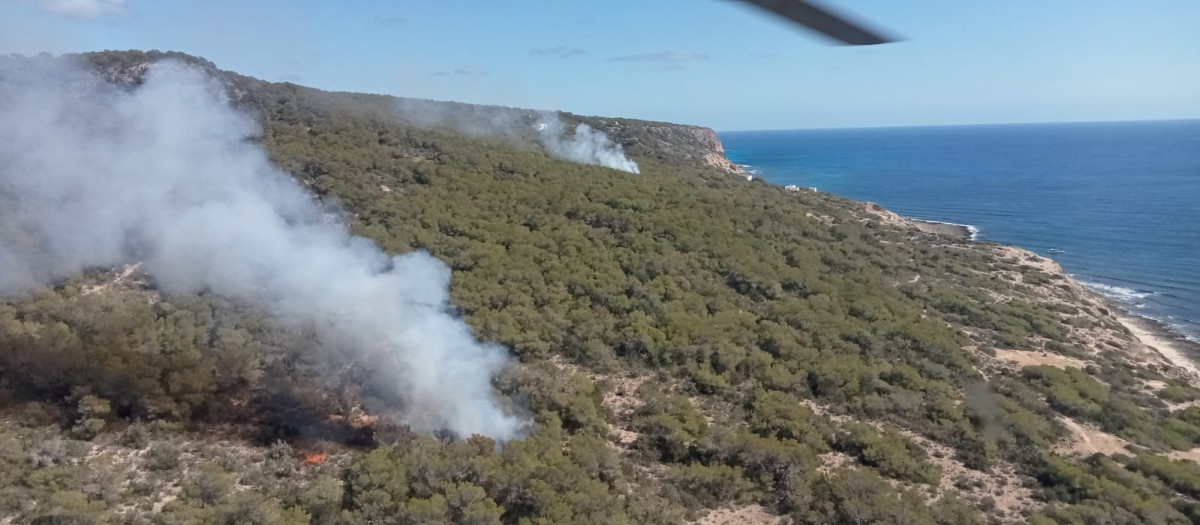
{"x": 745, "y": 338}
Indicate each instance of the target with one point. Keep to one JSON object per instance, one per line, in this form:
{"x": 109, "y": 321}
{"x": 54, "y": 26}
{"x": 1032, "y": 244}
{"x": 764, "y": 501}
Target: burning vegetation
{"x": 315, "y": 458}
{"x": 788, "y": 358}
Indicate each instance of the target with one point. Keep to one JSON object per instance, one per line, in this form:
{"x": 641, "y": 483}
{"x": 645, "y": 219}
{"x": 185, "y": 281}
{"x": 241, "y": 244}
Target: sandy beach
{"x": 1174, "y": 349}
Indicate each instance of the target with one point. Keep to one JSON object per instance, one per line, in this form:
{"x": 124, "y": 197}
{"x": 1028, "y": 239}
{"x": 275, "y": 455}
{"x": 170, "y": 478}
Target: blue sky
{"x": 710, "y": 62}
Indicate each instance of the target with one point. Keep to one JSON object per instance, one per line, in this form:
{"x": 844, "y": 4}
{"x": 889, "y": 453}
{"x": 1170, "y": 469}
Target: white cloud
{"x": 462, "y": 71}
{"x": 82, "y": 8}
{"x": 559, "y": 52}
{"x": 663, "y": 57}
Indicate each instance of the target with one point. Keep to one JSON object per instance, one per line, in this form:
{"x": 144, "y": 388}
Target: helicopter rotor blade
{"x": 822, "y": 20}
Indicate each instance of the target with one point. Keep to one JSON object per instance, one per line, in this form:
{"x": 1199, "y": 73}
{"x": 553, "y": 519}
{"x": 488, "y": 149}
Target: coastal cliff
{"x": 675, "y": 142}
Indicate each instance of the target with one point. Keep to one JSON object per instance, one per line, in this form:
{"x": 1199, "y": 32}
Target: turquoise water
{"x": 1116, "y": 204}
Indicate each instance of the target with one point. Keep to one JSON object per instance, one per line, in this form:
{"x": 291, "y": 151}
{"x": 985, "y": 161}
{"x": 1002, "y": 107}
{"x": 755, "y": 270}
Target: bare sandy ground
{"x": 1089, "y": 440}
{"x": 751, "y": 515}
{"x": 1156, "y": 346}
{"x": 1190, "y": 455}
{"x": 122, "y": 275}
{"x": 1031, "y": 358}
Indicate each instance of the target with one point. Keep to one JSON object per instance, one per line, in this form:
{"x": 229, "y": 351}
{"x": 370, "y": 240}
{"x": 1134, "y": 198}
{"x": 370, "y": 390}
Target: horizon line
{"x": 965, "y": 125}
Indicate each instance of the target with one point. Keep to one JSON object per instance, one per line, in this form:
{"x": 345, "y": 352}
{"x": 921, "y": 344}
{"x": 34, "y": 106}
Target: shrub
{"x": 162, "y": 456}
{"x": 893, "y": 454}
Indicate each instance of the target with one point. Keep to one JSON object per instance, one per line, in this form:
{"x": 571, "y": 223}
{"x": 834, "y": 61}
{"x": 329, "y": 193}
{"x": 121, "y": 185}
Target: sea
{"x": 1117, "y": 204}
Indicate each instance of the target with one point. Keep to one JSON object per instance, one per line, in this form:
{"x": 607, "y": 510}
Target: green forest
{"x": 685, "y": 340}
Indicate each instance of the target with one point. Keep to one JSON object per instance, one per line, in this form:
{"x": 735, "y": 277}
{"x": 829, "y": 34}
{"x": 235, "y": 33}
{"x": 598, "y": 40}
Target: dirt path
{"x": 1088, "y": 441}
{"x": 1192, "y": 455}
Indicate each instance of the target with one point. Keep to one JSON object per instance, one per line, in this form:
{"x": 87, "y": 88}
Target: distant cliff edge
{"x": 671, "y": 141}
{"x": 668, "y": 142}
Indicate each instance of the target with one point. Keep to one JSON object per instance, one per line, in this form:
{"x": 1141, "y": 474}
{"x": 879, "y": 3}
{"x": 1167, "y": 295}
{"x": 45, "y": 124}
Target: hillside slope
{"x": 689, "y": 345}
{"x": 677, "y": 143}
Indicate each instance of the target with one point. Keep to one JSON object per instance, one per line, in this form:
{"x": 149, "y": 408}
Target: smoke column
{"x": 94, "y": 176}
{"x": 585, "y": 146}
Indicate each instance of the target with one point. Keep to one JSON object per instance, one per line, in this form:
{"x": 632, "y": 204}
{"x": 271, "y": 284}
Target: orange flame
{"x": 314, "y": 459}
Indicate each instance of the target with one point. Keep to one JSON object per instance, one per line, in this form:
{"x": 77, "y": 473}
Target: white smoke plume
{"x": 584, "y": 145}
{"x": 82, "y": 8}
{"x": 92, "y": 175}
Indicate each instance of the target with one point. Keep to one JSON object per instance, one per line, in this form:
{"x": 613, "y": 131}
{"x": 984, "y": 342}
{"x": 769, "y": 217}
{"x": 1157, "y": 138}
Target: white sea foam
{"x": 1119, "y": 293}
{"x": 972, "y": 230}
{"x": 1130, "y": 301}
{"x": 749, "y": 169}
{"x": 1172, "y": 325}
